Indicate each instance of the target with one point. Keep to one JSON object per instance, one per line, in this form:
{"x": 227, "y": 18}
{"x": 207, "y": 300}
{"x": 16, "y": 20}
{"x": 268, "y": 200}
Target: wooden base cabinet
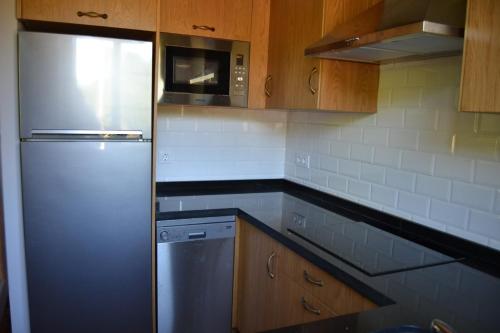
{"x": 273, "y": 291}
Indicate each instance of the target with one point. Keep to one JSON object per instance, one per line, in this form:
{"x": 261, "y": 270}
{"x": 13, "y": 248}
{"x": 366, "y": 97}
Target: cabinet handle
{"x": 267, "y": 89}
{"x": 203, "y": 27}
{"x": 269, "y": 265}
{"x": 439, "y": 326}
{"x": 92, "y": 14}
{"x": 312, "y": 280}
{"x": 311, "y": 88}
{"x": 309, "y": 307}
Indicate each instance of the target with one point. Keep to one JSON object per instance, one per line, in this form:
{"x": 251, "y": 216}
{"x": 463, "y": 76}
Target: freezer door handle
{"x": 78, "y": 134}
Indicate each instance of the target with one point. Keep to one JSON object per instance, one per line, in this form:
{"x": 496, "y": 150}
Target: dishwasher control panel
{"x": 194, "y": 232}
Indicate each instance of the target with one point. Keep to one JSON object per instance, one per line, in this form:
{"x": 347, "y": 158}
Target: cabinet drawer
{"x": 128, "y": 14}
{"x": 297, "y": 306}
{"x": 333, "y": 293}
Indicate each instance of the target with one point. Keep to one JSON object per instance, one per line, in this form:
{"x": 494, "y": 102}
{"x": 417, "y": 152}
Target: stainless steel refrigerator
{"x": 85, "y": 124}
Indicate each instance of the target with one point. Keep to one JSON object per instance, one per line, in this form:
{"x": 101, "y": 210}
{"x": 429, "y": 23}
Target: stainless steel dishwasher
{"x": 195, "y": 274}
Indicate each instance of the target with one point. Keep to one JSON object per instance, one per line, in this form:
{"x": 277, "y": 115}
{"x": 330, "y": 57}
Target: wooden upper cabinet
{"x": 226, "y": 19}
{"x": 299, "y": 82}
{"x": 480, "y": 87}
{"x": 127, "y": 14}
{"x": 292, "y": 80}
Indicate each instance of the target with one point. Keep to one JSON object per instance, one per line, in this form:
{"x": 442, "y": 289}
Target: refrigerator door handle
{"x": 84, "y": 134}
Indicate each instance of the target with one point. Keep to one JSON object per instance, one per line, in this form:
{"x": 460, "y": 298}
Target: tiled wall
{"x": 220, "y": 143}
{"x": 418, "y": 157}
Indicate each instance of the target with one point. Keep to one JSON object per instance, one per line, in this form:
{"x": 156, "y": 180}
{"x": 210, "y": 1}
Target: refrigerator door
{"x": 87, "y": 224}
{"x": 71, "y": 82}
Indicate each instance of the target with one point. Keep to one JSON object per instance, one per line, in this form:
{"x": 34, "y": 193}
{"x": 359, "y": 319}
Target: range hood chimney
{"x": 397, "y": 30}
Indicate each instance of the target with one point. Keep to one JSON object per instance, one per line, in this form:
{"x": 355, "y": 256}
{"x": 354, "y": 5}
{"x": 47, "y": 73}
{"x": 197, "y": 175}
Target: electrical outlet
{"x": 303, "y": 160}
{"x": 163, "y": 157}
{"x": 299, "y": 220}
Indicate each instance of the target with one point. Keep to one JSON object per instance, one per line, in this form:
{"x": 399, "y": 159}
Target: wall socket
{"x": 163, "y": 157}
{"x": 303, "y": 160}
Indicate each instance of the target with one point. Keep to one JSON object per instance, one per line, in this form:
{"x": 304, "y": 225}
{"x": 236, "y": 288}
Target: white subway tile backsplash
{"x": 404, "y": 139}
{"x": 487, "y": 173}
{"x": 435, "y": 142}
{"x": 329, "y": 163}
{"x": 400, "y": 179}
{"x": 340, "y": 149}
{"x": 405, "y": 97}
{"x": 485, "y": 224}
{"x": 472, "y": 195}
{"x": 376, "y": 136}
{"x": 351, "y": 134}
{"x": 387, "y": 157}
{"x": 363, "y": 153}
{"x": 390, "y": 117}
{"x": 349, "y": 168}
{"x": 338, "y": 183}
{"x": 439, "y": 188}
{"x": 448, "y": 213}
{"x": 417, "y": 161}
{"x": 497, "y": 202}
{"x": 384, "y": 195}
{"x": 413, "y": 203}
{"x": 319, "y": 177}
{"x": 421, "y": 119}
{"x": 373, "y": 173}
{"x": 453, "y": 167}
{"x": 359, "y": 189}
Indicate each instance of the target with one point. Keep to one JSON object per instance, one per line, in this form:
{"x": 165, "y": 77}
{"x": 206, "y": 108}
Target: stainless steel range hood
{"x": 397, "y": 30}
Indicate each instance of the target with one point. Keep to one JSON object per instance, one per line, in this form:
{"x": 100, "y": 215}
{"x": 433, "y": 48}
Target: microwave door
{"x": 70, "y": 82}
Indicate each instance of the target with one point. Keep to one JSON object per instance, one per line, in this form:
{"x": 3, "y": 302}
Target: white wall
{"x": 10, "y": 175}
{"x": 220, "y": 143}
{"x": 417, "y": 158}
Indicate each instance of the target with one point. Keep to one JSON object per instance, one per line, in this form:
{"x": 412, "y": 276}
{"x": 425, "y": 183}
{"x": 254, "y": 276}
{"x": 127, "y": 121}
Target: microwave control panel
{"x": 240, "y": 76}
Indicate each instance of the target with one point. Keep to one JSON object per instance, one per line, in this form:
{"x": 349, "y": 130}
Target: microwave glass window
{"x": 199, "y": 71}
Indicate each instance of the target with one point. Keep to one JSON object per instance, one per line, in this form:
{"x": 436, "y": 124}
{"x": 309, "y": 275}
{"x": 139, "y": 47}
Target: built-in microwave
{"x": 203, "y": 71}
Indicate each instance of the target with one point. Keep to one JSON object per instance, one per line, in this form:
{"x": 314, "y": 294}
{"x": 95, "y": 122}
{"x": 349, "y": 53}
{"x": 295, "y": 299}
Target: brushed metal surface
{"x": 195, "y": 278}
{"x": 87, "y": 225}
{"x": 71, "y": 82}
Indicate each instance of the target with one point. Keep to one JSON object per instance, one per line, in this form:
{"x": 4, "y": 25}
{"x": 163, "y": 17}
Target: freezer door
{"x": 71, "y": 82}
{"x": 87, "y": 224}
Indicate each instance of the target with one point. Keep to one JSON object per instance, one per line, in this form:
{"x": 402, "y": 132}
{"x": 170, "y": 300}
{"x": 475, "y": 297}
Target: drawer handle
{"x": 312, "y": 280}
{"x": 311, "y": 88}
{"x": 267, "y": 90}
{"x": 269, "y": 265}
{"x": 92, "y": 14}
{"x": 203, "y": 27}
{"x": 309, "y": 307}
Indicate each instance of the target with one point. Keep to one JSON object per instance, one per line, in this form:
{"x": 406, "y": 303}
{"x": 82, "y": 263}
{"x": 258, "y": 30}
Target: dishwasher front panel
{"x": 195, "y": 278}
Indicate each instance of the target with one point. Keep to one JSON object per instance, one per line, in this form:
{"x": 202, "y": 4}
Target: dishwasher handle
{"x": 197, "y": 235}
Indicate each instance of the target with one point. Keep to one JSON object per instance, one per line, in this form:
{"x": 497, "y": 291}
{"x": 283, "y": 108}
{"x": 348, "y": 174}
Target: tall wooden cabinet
{"x": 128, "y": 14}
{"x": 277, "y": 288}
{"x": 298, "y": 82}
{"x": 480, "y": 85}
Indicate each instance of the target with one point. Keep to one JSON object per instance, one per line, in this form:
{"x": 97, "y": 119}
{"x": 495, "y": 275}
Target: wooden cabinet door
{"x": 257, "y": 296}
{"x": 480, "y": 87}
{"x": 128, "y": 14}
{"x": 294, "y": 24}
{"x": 226, "y": 19}
{"x": 344, "y": 85}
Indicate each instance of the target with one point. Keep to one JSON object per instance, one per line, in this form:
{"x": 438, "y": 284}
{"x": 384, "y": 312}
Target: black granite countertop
{"x": 413, "y": 273}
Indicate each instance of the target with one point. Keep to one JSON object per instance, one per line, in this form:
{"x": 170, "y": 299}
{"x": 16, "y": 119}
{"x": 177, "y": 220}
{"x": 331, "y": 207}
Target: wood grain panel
{"x": 294, "y": 25}
{"x": 259, "y": 54}
{"x": 128, "y": 14}
{"x": 480, "y": 85}
{"x": 347, "y": 86}
{"x": 337, "y": 296}
{"x": 231, "y": 19}
{"x": 257, "y": 295}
